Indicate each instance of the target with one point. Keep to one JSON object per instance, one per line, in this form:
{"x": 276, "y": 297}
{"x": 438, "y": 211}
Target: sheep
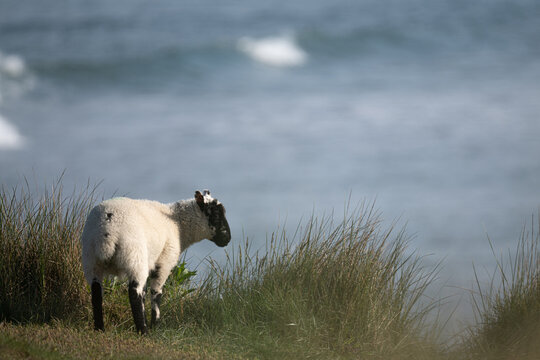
{"x": 143, "y": 239}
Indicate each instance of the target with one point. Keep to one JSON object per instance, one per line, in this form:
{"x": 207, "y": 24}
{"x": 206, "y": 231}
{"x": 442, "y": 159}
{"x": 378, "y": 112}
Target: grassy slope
{"x": 67, "y": 342}
{"x": 332, "y": 291}
{"x": 59, "y": 341}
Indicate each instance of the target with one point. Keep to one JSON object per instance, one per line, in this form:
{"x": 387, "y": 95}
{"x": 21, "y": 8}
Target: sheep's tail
{"x": 105, "y": 249}
{"x": 97, "y": 238}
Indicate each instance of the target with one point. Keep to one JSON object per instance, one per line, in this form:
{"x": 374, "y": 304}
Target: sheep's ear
{"x": 199, "y": 199}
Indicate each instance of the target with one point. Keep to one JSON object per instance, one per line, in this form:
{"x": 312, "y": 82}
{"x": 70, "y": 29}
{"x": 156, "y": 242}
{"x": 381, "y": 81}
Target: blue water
{"x": 431, "y": 107}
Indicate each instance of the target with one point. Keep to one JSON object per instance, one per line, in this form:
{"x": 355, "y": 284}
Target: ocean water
{"x": 431, "y": 108}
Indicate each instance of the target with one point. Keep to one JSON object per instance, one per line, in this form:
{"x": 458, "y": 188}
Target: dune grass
{"x": 41, "y": 272}
{"x": 333, "y": 289}
{"x": 338, "y": 288}
{"x": 508, "y": 309}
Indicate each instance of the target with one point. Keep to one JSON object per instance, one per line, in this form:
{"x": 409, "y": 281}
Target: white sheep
{"x": 141, "y": 239}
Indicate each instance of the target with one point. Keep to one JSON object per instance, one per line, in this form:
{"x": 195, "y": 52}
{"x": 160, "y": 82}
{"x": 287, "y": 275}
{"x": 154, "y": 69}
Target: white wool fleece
{"x": 130, "y": 237}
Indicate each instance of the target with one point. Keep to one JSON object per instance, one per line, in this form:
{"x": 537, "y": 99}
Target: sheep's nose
{"x": 223, "y": 238}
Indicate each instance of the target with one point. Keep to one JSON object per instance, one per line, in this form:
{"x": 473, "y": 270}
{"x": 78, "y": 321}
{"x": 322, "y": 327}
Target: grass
{"x": 40, "y": 271}
{"x": 332, "y": 290}
{"x": 335, "y": 289}
{"x": 509, "y": 313}
{"x": 65, "y": 341}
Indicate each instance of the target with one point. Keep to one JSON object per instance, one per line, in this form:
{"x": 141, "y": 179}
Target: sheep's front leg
{"x": 97, "y": 304}
{"x": 156, "y": 285}
{"x": 156, "y": 302}
{"x": 157, "y": 278}
{"x": 136, "y": 299}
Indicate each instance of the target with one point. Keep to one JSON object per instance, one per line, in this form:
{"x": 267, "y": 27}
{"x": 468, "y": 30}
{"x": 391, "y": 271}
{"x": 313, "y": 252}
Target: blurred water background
{"x": 283, "y": 108}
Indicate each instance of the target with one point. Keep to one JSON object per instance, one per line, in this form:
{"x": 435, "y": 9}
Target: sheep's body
{"x": 132, "y": 237}
{"x": 142, "y": 238}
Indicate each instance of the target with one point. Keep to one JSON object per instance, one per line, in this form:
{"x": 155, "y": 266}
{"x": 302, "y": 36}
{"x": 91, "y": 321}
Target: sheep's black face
{"x": 218, "y": 222}
{"x": 215, "y": 213}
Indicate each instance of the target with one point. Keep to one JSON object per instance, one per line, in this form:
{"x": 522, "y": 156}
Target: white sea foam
{"x": 15, "y": 79}
{"x": 10, "y": 138}
{"x": 12, "y": 65}
{"x": 274, "y": 51}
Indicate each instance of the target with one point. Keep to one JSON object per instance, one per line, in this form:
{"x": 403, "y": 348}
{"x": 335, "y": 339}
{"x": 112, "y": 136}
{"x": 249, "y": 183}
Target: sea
{"x": 430, "y": 109}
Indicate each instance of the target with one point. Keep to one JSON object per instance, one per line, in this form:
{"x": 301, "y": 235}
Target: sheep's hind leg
{"x": 136, "y": 299}
{"x": 97, "y": 304}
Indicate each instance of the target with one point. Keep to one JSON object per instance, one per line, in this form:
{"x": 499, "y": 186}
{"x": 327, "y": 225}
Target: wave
{"x": 209, "y": 55}
{"x": 156, "y": 63}
{"x": 13, "y": 81}
{"x": 15, "y": 78}
{"x": 12, "y": 65}
{"x": 10, "y": 138}
{"x": 275, "y": 51}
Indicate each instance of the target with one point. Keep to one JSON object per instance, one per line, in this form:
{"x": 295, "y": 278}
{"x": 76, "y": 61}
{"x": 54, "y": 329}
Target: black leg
{"x": 137, "y": 307}
{"x": 156, "y": 302}
{"x": 97, "y": 306}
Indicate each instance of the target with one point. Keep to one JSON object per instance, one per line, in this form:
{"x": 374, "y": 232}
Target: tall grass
{"x": 345, "y": 289}
{"x": 40, "y": 268}
{"x": 508, "y": 314}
